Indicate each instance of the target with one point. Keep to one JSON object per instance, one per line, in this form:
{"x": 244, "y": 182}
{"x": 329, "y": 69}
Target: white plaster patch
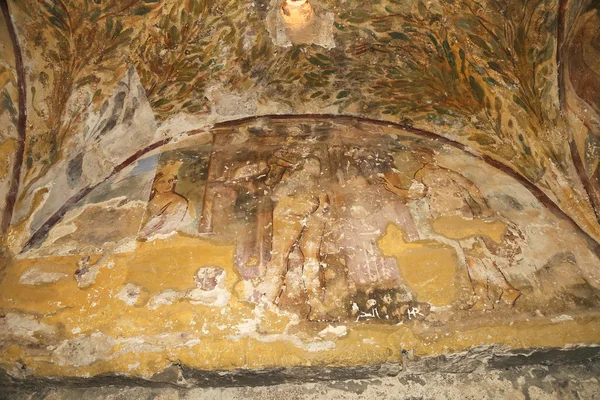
{"x": 85, "y": 350}
{"x": 131, "y": 367}
{"x": 24, "y": 327}
{"x": 164, "y": 298}
{"x": 178, "y": 125}
{"x": 294, "y": 340}
{"x": 130, "y": 294}
{"x": 154, "y": 343}
{"x": 210, "y": 290}
{"x": 331, "y": 331}
{"x": 562, "y": 318}
{"x": 34, "y": 276}
{"x": 248, "y": 328}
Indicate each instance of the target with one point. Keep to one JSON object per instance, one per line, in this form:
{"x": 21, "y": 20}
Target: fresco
{"x": 301, "y": 236}
{"x": 157, "y": 70}
{"x": 250, "y": 184}
{"x": 177, "y": 193}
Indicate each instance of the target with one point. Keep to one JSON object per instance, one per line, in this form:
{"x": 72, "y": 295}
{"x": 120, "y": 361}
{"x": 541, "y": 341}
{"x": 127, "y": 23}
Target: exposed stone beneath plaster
{"x": 537, "y": 375}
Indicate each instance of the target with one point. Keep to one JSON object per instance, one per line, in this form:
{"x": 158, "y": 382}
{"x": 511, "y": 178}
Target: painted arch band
{"x": 334, "y": 219}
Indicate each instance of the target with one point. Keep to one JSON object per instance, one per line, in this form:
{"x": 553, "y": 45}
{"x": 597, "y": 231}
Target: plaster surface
{"x": 199, "y": 189}
{"x": 297, "y": 242}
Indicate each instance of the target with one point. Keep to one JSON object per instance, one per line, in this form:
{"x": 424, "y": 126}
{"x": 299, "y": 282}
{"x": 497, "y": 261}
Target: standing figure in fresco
{"x": 365, "y": 210}
{"x": 449, "y": 193}
{"x": 166, "y": 209}
{"x": 299, "y": 219}
{"x": 254, "y": 182}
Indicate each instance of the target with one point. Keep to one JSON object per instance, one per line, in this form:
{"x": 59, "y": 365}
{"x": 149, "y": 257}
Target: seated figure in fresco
{"x": 301, "y": 208}
{"x": 448, "y": 193}
{"x": 166, "y": 208}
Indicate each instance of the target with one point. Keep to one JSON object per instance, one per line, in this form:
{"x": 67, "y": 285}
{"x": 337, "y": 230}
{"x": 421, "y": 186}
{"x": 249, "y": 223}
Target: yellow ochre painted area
{"x": 456, "y": 227}
{"x": 428, "y": 267}
{"x": 140, "y": 341}
{"x": 173, "y": 262}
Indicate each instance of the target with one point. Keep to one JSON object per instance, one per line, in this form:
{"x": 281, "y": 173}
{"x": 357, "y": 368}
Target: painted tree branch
{"x": 563, "y": 37}
{"x": 84, "y": 48}
{"x": 15, "y": 178}
{"x": 560, "y": 48}
{"x": 585, "y": 180}
{"x": 41, "y": 233}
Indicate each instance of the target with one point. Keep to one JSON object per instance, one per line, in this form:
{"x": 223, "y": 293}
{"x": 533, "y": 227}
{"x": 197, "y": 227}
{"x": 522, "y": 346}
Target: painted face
{"x": 165, "y": 184}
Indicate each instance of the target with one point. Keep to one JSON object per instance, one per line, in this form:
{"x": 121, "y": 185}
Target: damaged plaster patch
{"x": 114, "y": 229}
{"x": 561, "y": 318}
{"x": 232, "y": 104}
{"x": 304, "y": 24}
{"x": 17, "y": 239}
{"x": 210, "y": 290}
{"x": 86, "y": 273}
{"x": 111, "y": 134}
{"x": 25, "y": 328}
{"x": 332, "y": 332}
{"x": 164, "y": 298}
{"x": 179, "y": 125}
{"x": 249, "y": 328}
{"x": 85, "y": 350}
{"x": 34, "y": 276}
{"x": 133, "y": 295}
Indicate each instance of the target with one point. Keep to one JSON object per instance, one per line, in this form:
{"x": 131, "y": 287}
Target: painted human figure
{"x": 166, "y": 208}
{"x": 483, "y": 262}
{"x": 300, "y": 214}
{"x": 364, "y": 211}
{"x": 449, "y": 193}
{"x": 278, "y": 165}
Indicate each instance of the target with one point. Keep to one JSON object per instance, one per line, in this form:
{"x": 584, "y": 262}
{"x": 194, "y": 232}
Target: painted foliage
{"x": 275, "y": 183}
